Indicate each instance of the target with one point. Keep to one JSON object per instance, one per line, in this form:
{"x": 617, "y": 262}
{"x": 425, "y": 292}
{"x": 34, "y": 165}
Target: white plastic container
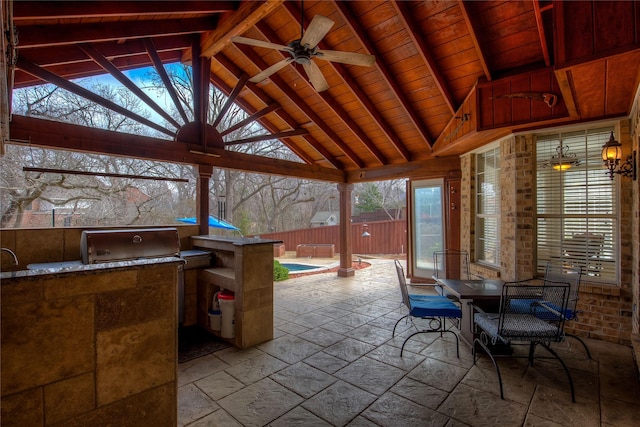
{"x": 227, "y": 303}
{"x": 215, "y": 319}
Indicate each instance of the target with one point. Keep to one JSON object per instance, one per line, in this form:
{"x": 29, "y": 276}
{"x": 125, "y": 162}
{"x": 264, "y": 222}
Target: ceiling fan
{"x": 304, "y": 49}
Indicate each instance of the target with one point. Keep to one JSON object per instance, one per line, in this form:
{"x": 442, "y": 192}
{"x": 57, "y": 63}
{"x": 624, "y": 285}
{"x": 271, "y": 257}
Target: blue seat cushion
{"x": 423, "y": 297}
{"x": 515, "y": 327}
{"x": 534, "y": 306}
{"x": 434, "y": 306}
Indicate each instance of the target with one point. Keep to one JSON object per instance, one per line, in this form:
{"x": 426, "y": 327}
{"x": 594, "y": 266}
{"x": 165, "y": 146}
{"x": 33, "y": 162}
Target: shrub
{"x": 280, "y": 272}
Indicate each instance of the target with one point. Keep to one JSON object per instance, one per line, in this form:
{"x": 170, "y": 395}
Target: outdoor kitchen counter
{"x": 67, "y": 267}
{"x": 213, "y": 241}
{"x": 87, "y": 344}
{"x": 243, "y": 266}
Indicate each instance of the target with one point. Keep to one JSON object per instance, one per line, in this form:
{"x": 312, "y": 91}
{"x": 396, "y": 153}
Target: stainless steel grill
{"x": 99, "y": 246}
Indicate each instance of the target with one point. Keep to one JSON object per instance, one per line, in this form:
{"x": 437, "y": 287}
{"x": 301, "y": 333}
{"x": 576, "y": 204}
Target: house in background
{"x": 322, "y": 218}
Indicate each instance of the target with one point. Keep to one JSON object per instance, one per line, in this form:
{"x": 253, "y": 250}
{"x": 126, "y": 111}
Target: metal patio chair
{"x": 555, "y": 272}
{"x": 533, "y": 326}
{"x": 436, "y": 309}
{"x": 451, "y": 264}
{"x": 560, "y": 273}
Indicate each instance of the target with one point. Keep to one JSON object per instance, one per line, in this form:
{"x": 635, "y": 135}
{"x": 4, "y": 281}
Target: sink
{"x": 54, "y": 265}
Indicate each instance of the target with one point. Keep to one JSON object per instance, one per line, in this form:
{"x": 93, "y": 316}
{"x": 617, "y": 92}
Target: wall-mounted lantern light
{"x": 611, "y": 156}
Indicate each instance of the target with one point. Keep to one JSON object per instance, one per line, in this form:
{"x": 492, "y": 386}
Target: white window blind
{"x": 577, "y": 218}
{"x": 487, "y": 230}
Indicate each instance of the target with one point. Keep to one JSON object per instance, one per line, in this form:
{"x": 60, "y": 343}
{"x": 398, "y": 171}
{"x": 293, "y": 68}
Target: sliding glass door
{"x": 427, "y": 219}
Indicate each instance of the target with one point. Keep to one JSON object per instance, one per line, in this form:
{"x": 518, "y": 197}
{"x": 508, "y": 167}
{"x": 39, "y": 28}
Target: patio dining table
{"x": 484, "y": 293}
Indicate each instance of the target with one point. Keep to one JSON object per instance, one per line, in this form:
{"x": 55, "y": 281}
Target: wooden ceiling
{"x": 449, "y": 76}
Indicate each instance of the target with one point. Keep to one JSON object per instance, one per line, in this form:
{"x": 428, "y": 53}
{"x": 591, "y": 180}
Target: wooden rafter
{"x": 360, "y": 33}
{"x": 52, "y": 35}
{"x": 265, "y": 123}
{"x": 89, "y": 68}
{"x": 405, "y": 14}
{"x": 279, "y": 135}
{"x": 242, "y": 81}
{"x": 159, "y": 67}
{"x": 47, "y": 76}
{"x": 94, "y": 54}
{"x": 340, "y": 112}
{"x": 70, "y": 54}
{"x": 71, "y": 9}
{"x": 299, "y": 102}
{"x": 286, "y": 117}
{"x": 474, "y": 38}
{"x": 540, "y": 24}
{"x": 343, "y": 72}
{"x": 252, "y": 118}
{"x": 249, "y": 13}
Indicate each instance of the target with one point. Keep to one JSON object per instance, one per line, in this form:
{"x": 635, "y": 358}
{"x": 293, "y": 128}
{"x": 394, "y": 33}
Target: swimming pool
{"x": 295, "y": 267}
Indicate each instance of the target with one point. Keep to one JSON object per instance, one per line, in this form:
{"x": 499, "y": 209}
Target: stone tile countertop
{"x": 68, "y": 267}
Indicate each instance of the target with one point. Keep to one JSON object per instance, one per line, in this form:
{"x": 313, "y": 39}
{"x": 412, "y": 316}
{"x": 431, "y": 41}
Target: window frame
{"x": 480, "y": 209}
{"x": 584, "y": 196}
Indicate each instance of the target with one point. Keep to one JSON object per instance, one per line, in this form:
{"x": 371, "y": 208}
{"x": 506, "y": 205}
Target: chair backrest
{"x": 403, "y": 284}
{"x": 451, "y": 264}
{"x": 542, "y": 320}
{"x": 556, "y": 272}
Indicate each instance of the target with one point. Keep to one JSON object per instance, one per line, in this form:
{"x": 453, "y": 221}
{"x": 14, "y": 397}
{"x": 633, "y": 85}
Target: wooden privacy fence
{"x": 385, "y": 237}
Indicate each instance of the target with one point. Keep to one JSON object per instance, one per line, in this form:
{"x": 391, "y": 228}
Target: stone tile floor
{"x": 333, "y": 362}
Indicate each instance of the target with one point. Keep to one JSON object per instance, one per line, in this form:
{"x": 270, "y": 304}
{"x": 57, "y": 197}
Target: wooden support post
{"x": 204, "y": 175}
{"x": 346, "y": 262}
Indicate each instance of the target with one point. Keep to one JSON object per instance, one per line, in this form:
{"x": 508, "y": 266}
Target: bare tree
{"x": 260, "y": 203}
{"x": 85, "y": 199}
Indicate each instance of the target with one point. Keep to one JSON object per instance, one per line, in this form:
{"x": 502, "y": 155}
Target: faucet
{"x": 15, "y": 258}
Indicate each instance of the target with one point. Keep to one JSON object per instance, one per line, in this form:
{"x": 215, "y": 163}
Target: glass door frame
{"x": 417, "y": 262}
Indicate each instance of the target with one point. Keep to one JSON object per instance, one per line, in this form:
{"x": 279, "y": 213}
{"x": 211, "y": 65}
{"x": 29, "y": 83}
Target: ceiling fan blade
{"x": 259, "y": 43}
{"x": 271, "y": 70}
{"x": 315, "y": 76}
{"x": 351, "y": 58}
{"x": 318, "y": 28}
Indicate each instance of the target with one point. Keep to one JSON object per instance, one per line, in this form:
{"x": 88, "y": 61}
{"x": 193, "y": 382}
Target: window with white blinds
{"x": 487, "y": 229}
{"x": 577, "y": 217}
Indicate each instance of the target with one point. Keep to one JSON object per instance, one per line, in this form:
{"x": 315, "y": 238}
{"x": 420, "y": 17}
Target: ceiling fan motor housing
{"x": 301, "y": 54}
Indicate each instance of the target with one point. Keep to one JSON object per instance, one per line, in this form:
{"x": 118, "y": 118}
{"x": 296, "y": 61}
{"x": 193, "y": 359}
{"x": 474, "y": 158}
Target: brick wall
{"x": 635, "y": 221}
{"x": 607, "y": 309}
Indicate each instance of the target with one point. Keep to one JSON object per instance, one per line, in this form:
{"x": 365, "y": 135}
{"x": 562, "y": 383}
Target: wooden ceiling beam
{"x": 248, "y": 14}
{"x": 54, "y": 79}
{"x": 416, "y": 169}
{"x": 112, "y": 50}
{"x": 57, "y": 135}
{"x": 231, "y": 98}
{"x": 56, "y": 35}
{"x": 89, "y": 68}
{"x": 265, "y": 123}
{"x": 474, "y": 38}
{"x": 119, "y": 75}
{"x": 540, "y": 25}
{"x": 404, "y": 13}
{"x": 387, "y": 74}
{"x": 150, "y": 47}
{"x": 266, "y": 137}
{"x": 339, "y": 111}
{"x": 304, "y": 108}
{"x": 284, "y": 115}
{"x": 252, "y": 118}
{"x": 72, "y": 9}
{"x": 365, "y": 101}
